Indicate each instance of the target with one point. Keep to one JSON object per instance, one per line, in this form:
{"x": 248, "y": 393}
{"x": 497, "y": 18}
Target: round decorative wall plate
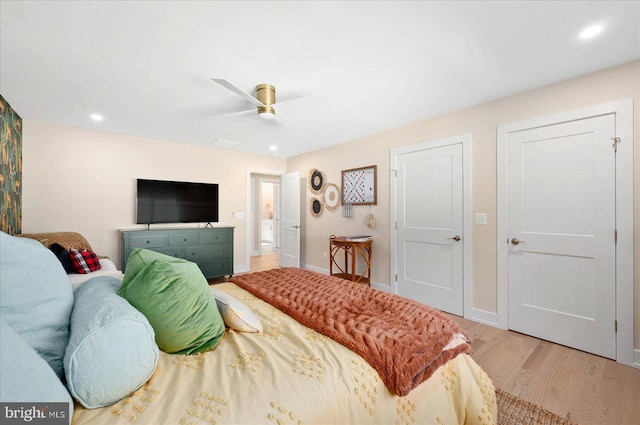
{"x": 316, "y": 181}
{"x": 316, "y": 207}
{"x": 331, "y": 196}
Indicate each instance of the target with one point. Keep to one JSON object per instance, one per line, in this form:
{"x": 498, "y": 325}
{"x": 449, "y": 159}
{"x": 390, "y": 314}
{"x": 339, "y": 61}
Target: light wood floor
{"x": 579, "y": 386}
{"x": 582, "y": 387}
{"x": 265, "y": 262}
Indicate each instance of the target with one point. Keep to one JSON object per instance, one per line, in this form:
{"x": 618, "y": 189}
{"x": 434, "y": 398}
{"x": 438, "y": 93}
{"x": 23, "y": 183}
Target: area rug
{"x": 515, "y": 411}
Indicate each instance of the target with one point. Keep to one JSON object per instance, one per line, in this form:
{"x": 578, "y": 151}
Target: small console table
{"x": 352, "y": 248}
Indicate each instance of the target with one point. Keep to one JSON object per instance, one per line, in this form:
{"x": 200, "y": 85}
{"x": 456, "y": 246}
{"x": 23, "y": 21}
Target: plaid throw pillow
{"x": 84, "y": 261}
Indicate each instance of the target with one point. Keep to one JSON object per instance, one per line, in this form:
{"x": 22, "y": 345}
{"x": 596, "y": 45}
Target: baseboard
{"x": 484, "y": 317}
{"x": 636, "y": 359}
{"x": 315, "y": 269}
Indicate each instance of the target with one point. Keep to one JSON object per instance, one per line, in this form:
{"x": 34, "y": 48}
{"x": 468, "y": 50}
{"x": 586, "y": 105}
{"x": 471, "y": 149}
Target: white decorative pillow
{"x": 235, "y": 314}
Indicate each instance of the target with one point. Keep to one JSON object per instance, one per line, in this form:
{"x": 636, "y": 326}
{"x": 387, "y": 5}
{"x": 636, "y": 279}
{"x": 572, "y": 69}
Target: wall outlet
{"x": 325, "y": 256}
{"x": 481, "y": 218}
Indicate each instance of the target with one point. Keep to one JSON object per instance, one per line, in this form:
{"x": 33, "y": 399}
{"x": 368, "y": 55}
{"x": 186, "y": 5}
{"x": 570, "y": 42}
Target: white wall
{"x": 481, "y": 121}
{"x": 85, "y": 181}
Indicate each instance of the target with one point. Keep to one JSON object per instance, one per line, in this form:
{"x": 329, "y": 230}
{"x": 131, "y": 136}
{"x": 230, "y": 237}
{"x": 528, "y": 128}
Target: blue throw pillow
{"x": 26, "y": 377}
{"x": 112, "y": 350}
{"x": 35, "y": 297}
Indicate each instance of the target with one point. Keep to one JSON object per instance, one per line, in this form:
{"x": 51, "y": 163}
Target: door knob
{"x": 516, "y": 241}
{"x": 455, "y": 238}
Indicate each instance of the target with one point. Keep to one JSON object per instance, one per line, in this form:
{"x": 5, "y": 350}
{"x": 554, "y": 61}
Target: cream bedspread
{"x": 290, "y": 374}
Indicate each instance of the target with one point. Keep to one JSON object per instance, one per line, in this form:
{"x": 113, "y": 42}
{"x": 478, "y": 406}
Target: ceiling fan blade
{"x": 284, "y": 119}
{"x": 237, "y": 90}
{"x": 232, "y": 114}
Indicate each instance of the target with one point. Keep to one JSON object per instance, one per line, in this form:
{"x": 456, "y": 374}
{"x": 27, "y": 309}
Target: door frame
{"x": 465, "y": 140}
{"x": 249, "y": 216}
{"x": 623, "y": 110}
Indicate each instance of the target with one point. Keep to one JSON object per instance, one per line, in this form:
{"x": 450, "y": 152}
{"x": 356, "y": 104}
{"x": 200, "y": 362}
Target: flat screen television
{"x": 160, "y": 201}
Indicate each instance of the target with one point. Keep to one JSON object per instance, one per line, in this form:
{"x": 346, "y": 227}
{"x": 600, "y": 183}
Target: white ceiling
{"x": 372, "y": 65}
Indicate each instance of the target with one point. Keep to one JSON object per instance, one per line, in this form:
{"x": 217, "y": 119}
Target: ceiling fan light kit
{"x": 266, "y": 93}
{"x": 267, "y": 115}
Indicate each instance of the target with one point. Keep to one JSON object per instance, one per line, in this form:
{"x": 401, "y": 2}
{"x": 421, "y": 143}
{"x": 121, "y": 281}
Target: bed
{"x": 296, "y": 374}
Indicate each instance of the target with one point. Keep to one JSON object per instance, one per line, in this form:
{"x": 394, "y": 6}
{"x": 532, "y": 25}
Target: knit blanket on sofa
{"x": 405, "y": 341}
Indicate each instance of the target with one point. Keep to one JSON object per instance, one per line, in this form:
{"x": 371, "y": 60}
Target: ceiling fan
{"x": 265, "y": 101}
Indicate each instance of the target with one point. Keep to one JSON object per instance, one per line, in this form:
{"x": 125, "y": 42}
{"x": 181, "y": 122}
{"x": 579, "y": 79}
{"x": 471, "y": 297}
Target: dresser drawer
{"x": 198, "y": 253}
{"x": 184, "y": 239}
{"x": 149, "y": 241}
{"x": 216, "y": 236}
{"x": 176, "y": 252}
{"x": 217, "y": 267}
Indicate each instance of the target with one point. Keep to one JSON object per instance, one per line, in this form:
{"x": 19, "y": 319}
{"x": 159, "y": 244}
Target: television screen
{"x": 160, "y": 201}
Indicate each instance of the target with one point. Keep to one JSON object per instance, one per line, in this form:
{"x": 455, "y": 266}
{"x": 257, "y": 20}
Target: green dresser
{"x": 211, "y": 248}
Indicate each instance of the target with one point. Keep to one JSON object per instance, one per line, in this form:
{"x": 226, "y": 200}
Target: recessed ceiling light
{"x": 96, "y": 117}
{"x": 591, "y": 31}
{"x": 273, "y": 147}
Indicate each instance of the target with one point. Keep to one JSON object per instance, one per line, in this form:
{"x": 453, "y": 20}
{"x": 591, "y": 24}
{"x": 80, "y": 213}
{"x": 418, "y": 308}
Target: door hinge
{"x": 615, "y": 141}
{"x": 615, "y": 326}
{"x": 396, "y": 277}
{"x": 615, "y": 235}
{"x": 395, "y": 225}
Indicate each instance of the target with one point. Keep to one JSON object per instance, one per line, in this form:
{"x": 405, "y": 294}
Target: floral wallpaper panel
{"x": 10, "y": 169}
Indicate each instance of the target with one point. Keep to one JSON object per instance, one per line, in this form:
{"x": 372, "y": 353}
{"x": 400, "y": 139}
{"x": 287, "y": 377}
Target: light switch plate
{"x": 237, "y": 214}
{"x": 481, "y": 218}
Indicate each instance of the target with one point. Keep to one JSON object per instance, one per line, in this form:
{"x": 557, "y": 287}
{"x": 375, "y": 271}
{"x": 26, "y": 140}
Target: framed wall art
{"x": 359, "y": 186}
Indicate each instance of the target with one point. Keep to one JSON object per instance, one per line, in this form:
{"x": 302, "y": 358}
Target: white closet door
{"x": 561, "y": 223}
{"x": 429, "y": 209}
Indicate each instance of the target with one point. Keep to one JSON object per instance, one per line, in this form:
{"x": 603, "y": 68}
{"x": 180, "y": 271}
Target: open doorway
{"x": 265, "y": 221}
{"x": 269, "y": 220}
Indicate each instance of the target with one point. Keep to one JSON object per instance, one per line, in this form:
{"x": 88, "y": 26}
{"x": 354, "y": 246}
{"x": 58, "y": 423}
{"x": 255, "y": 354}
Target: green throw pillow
{"x": 139, "y": 259}
{"x": 174, "y": 296}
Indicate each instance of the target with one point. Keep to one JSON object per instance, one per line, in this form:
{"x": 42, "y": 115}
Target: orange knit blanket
{"x": 405, "y": 341}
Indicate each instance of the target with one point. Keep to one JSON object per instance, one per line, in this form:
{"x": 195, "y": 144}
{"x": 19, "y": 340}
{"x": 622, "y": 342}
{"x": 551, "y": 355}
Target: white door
{"x": 561, "y": 223}
{"x": 429, "y": 221}
{"x": 290, "y": 222}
